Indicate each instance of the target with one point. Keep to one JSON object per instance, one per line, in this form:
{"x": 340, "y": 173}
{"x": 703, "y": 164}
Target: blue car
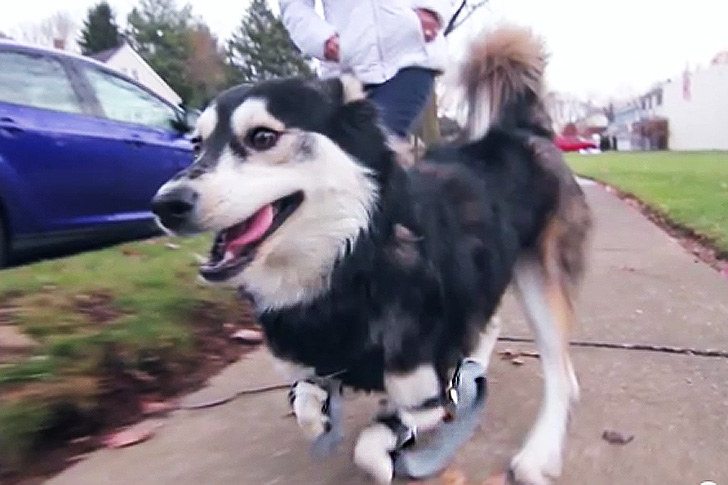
{"x": 83, "y": 149}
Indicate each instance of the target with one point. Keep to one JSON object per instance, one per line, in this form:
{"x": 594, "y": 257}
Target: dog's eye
{"x": 262, "y": 138}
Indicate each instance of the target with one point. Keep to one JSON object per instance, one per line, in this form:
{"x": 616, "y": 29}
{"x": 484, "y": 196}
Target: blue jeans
{"x": 402, "y": 98}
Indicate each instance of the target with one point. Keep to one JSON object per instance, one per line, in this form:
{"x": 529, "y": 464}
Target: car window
{"x": 37, "y": 81}
{"x": 123, "y": 101}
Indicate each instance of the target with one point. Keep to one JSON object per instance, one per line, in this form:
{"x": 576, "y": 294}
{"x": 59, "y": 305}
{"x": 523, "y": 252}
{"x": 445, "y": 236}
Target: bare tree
{"x": 205, "y": 64}
{"x": 59, "y": 27}
{"x": 429, "y": 128}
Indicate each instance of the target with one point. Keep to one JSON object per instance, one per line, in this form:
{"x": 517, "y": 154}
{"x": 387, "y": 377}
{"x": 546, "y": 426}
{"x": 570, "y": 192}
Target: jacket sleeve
{"x": 443, "y": 9}
{"x": 307, "y": 29}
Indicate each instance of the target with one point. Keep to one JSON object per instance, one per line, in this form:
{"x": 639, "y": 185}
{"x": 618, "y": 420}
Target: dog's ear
{"x": 343, "y": 90}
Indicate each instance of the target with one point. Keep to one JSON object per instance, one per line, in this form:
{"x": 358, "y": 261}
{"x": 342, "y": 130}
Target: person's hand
{"x": 331, "y": 48}
{"x": 430, "y": 24}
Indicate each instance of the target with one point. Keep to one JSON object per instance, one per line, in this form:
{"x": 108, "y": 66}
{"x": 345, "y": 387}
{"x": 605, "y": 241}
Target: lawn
{"x": 689, "y": 188}
{"x": 110, "y": 325}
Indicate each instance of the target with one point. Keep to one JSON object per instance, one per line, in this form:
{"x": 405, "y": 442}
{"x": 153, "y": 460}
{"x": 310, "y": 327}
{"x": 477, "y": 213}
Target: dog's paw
{"x": 539, "y": 463}
{"x": 309, "y": 403}
{"x": 372, "y": 452}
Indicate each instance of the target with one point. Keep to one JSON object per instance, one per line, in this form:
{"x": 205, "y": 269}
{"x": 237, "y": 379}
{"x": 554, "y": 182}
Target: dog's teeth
{"x": 229, "y": 256}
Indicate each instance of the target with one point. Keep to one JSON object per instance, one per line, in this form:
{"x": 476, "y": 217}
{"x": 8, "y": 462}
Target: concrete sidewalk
{"x": 642, "y": 288}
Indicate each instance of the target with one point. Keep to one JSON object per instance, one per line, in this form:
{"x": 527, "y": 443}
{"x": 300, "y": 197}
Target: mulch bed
{"x": 129, "y": 397}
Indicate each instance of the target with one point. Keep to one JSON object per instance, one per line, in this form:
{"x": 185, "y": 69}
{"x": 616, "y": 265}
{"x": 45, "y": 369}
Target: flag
{"x": 686, "y": 85}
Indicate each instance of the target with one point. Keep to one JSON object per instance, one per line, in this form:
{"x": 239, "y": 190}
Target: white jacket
{"x": 377, "y": 38}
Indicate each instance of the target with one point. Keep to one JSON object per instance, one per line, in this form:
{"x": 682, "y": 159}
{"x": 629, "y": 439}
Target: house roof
{"x": 104, "y": 56}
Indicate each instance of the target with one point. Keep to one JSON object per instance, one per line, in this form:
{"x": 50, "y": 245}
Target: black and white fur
{"x": 388, "y": 275}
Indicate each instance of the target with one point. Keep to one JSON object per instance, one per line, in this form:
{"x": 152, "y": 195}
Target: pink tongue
{"x": 254, "y": 229}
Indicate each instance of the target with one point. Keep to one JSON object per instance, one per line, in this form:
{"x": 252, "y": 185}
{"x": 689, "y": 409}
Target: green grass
{"x": 689, "y": 188}
{"x": 115, "y": 308}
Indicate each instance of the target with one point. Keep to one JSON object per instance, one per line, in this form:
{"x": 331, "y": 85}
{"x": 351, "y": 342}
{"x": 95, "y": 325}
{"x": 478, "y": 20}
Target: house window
{"x": 659, "y": 98}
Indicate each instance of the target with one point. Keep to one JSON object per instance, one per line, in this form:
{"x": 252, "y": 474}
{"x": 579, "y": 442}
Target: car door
{"x": 49, "y": 145}
{"x": 153, "y": 150}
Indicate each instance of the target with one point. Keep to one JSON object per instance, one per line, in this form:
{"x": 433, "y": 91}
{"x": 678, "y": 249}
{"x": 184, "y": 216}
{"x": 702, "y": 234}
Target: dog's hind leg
{"x": 543, "y": 287}
{"x": 395, "y": 428}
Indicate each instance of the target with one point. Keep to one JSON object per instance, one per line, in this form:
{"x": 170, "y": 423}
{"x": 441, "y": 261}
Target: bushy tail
{"x": 503, "y": 80}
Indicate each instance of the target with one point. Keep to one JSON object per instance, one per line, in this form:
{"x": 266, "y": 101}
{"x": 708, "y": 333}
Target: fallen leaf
{"x": 171, "y": 246}
{"x": 616, "y": 438}
{"x": 151, "y": 408}
{"x": 507, "y": 354}
{"x": 530, "y": 353}
{"x": 517, "y": 361}
{"x": 248, "y": 336}
{"x": 131, "y": 436}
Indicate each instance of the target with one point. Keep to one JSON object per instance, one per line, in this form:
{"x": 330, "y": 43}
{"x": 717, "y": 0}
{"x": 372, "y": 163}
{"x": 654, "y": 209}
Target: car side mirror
{"x": 180, "y": 122}
{"x": 185, "y": 120}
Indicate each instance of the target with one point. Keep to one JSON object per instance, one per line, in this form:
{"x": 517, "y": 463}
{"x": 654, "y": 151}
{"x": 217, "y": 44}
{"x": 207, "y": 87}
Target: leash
{"x": 667, "y": 349}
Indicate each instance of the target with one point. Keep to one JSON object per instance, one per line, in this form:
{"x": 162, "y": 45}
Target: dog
{"x": 387, "y": 274}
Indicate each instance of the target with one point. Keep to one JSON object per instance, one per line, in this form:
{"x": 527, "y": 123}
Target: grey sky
{"x": 603, "y": 48}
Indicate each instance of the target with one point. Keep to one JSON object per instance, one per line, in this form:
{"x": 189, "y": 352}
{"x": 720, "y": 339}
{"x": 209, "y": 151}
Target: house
{"x": 128, "y": 61}
{"x": 688, "y": 113}
{"x": 625, "y": 116}
{"x": 696, "y": 107}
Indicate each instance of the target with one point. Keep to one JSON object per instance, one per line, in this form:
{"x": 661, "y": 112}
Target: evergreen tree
{"x": 158, "y": 32}
{"x": 99, "y": 31}
{"x": 261, "y": 49}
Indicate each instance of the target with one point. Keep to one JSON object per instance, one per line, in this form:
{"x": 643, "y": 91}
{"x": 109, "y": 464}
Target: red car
{"x": 573, "y": 144}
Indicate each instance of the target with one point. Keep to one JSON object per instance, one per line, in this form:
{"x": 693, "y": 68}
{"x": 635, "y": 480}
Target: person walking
{"x": 396, "y": 48}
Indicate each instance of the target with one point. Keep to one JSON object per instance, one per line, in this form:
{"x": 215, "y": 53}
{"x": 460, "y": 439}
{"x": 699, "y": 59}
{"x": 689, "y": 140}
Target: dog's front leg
{"x": 309, "y": 397}
{"x": 310, "y": 403}
{"x": 398, "y": 426}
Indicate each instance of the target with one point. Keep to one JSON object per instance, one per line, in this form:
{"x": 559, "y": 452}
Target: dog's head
{"x": 286, "y": 174}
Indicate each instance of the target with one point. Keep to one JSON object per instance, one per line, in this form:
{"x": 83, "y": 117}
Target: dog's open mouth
{"x": 235, "y": 246}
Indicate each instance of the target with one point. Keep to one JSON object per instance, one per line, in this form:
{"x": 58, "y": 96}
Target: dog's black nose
{"x": 174, "y": 207}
